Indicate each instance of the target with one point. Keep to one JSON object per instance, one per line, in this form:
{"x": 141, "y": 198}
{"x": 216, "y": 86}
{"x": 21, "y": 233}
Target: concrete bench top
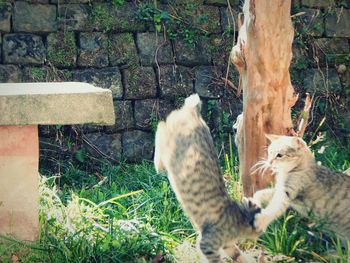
{"x": 55, "y": 103}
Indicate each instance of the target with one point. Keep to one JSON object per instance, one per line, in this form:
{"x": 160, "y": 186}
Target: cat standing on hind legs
{"x": 185, "y": 149}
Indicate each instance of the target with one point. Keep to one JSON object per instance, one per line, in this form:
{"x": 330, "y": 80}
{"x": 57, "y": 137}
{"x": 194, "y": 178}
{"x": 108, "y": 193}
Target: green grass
{"x": 128, "y": 213}
{"x": 130, "y": 216}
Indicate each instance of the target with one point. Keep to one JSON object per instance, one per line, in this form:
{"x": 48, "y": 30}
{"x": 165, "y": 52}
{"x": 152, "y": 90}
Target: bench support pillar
{"x": 19, "y": 181}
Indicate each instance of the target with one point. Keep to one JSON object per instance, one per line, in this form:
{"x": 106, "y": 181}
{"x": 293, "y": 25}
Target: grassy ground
{"x": 128, "y": 213}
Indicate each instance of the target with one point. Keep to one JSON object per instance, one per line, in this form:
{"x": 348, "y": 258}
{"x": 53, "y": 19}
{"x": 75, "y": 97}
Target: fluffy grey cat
{"x": 185, "y": 149}
{"x": 304, "y": 185}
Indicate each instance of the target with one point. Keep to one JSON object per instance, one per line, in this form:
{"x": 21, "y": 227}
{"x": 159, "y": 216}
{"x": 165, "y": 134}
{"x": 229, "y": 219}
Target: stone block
{"x": 205, "y": 84}
{"x": 148, "y": 112}
{"x": 10, "y": 73}
{"x": 331, "y": 50}
{"x": 234, "y": 3}
{"x": 338, "y": 23}
{"x": 34, "y": 17}
{"x": 203, "y": 17}
{"x": 208, "y": 18}
{"x": 45, "y": 74}
{"x": 175, "y": 81}
{"x": 140, "y": 83}
{"x": 89, "y": 128}
{"x": 55, "y": 103}
{"x": 318, "y": 3}
{"x": 150, "y": 43}
{"x": 104, "y": 146}
{"x": 316, "y": 82}
{"x": 122, "y": 50}
{"x": 344, "y": 74}
{"x": 74, "y": 17}
{"x": 127, "y": 21}
{"x": 70, "y": 1}
{"x": 107, "y": 17}
{"x": 182, "y": 2}
{"x": 23, "y": 49}
{"x": 61, "y": 49}
{"x": 5, "y": 17}
{"x": 300, "y": 58}
{"x": 124, "y": 116}
{"x": 36, "y": 74}
{"x": 229, "y": 107}
{"x": 220, "y": 47}
{"x": 107, "y": 78}
{"x": 38, "y": 1}
{"x": 192, "y": 55}
{"x": 226, "y": 19}
{"x": 93, "y": 50}
{"x": 137, "y": 145}
{"x": 311, "y": 22}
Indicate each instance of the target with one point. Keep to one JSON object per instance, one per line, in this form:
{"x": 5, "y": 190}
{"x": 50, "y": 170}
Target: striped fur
{"x": 185, "y": 149}
{"x": 304, "y": 185}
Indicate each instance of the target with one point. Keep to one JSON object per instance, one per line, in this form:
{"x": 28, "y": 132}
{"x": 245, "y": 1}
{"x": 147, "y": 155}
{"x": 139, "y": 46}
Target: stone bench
{"x": 23, "y": 106}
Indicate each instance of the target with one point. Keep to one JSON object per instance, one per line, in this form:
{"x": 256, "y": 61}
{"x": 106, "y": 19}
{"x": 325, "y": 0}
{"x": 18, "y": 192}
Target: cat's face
{"x": 286, "y": 153}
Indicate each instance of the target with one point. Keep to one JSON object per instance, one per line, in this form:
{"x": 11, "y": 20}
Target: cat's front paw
{"x": 249, "y": 202}
{"x": 261, "y": 222}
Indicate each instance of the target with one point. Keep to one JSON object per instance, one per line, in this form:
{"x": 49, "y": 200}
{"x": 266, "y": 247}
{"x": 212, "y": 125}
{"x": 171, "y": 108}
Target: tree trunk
{"x": 262, "y": 56}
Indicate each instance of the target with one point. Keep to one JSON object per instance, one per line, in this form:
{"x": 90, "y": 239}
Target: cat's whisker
{"x": 266, "y": 167}
{"x": 260, "y": 167}
{"x": 256, "y": 168}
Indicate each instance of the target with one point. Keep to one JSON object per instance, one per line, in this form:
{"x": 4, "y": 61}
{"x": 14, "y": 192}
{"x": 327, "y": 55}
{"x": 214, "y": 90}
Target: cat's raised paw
{"x": 261, "y": 222}
{"x": 248, "y": 202}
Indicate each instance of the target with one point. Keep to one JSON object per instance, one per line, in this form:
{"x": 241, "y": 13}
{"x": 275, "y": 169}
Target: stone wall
{"x": 121, "y": 45}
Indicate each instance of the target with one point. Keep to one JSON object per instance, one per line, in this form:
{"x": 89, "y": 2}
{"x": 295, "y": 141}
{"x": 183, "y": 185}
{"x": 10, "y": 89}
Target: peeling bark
{"x": 262, "y": 56}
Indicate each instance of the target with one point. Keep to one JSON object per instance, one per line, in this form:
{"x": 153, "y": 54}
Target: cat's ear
{"x": 272, "y": 137}
{"x": 300, "y": 141}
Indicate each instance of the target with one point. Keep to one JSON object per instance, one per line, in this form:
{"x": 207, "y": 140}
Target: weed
{"x": 102, "y": 18}
{"x": 182, "y": 23}
{"x": 118, "y": 2}
{"x": 122, "y": 50}
{"x": 63, "y": 51}
{"x": 37, "y": 74}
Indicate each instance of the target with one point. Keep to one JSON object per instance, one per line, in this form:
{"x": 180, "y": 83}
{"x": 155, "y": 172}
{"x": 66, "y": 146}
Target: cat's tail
{"x": 193, "y": 101}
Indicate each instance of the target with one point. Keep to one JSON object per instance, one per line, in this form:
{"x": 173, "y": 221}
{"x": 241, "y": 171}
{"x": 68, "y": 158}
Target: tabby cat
{"x": 184, "y": 147}
{"x": 304, "y": 185}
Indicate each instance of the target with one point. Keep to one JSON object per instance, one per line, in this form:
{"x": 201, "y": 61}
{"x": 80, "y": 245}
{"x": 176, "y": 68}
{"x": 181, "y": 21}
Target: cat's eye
{"x": 279, "y": 155}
